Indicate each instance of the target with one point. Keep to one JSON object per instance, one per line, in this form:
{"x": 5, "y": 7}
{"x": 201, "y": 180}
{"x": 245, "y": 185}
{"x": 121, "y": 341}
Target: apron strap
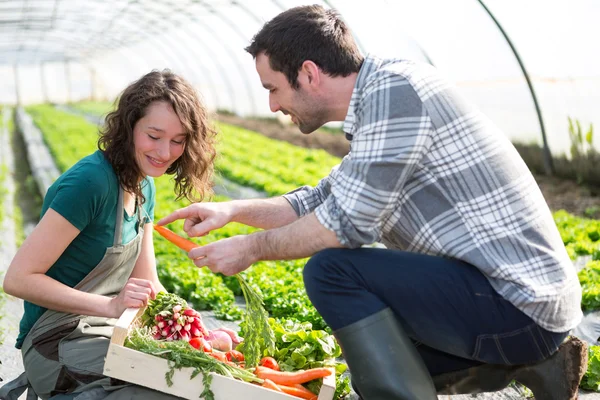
{"x": 15, "y": 388}
{"x": 119, "y": 224}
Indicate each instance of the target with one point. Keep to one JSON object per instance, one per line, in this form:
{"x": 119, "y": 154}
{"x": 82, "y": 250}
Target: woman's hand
{"x": 135, "y": 294}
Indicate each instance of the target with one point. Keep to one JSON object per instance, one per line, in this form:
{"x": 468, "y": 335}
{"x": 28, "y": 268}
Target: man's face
{"x": 301, "y": 104}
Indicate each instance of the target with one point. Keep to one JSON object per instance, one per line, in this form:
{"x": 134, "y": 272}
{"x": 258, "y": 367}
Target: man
{"x": 474, "y": 288}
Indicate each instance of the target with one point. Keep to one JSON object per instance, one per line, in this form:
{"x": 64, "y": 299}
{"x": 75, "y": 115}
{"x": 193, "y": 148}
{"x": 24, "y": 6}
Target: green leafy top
{"x": 259, "y": 336}
{"x": 162, "y": 305}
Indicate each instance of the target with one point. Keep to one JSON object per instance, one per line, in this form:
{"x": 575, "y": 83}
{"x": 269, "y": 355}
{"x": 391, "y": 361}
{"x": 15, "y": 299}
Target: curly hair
{"x": 194, "y": 169}
{"x": 307, "y": 33}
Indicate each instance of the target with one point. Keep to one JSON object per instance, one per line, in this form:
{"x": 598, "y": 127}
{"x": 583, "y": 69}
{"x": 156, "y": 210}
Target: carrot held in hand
{"x": 174, "y": 238}
{"x": 292, "y": 378}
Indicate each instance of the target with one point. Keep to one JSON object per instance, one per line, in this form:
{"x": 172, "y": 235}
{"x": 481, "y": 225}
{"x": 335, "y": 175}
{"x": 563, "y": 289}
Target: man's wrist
{"x": 234, "y": 209}
{"x": 257, "y": 246}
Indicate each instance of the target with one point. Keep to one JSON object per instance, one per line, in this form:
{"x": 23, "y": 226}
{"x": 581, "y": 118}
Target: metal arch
{"x": 206, "y": 71}
{"x": 186, "y": 55}
{"x": 214, "y": 57}
{"x": 548, "y": 162}
{"x": 222, "y": 67}
{"x": 23, "y": 24}
{"x": 228, "y": 50}
{"x": 151, "y": 36}
{"x": 62, "y": 36}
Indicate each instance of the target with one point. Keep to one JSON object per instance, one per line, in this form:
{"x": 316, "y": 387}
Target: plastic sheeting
{"x": 67, "y": 50}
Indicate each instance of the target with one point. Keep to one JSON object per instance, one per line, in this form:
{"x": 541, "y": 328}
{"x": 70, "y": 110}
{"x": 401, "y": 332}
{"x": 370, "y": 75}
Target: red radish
{"x": 235, "y": 339}
{"x": 219, "y": 340}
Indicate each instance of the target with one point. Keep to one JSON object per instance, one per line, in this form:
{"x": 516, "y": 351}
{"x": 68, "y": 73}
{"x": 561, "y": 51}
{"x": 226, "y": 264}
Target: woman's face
{"x": 158, "y": 138}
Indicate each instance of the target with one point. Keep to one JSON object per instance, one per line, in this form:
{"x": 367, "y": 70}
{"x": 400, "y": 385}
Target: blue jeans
{"x": 447, "y": 307}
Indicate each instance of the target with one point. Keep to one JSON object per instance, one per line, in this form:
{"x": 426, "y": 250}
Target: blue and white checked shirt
{"x": 428, "y": 173}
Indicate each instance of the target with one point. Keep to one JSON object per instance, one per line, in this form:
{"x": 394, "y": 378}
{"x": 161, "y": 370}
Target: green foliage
{"x": 581, "y": 236}
{"x": 581, "y": 144}
{"x": 68, "y": 137}
{"x": 584, "y": 157}
{"x": 301, "y": 347}
{"x": 3, "y": 191}
{"x": 98, "y": 108}
{"x": 591, "y": 379}
{"x": 589, "y": 277}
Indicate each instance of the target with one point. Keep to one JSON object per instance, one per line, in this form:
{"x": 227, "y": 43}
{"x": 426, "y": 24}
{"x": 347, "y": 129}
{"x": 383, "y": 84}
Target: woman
{"x": 91, "y": 256}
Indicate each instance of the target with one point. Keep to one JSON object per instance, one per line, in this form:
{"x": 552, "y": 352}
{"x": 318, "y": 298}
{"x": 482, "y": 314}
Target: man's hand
{"x": 227, "y": 256}
{"x": 201, "y": 218}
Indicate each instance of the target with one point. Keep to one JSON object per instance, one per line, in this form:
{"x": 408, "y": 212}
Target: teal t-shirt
{"x": 86, "y": 195}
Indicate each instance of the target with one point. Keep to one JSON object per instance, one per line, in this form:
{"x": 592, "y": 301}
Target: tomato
{"x": 219, "y": 355}
{"x": 234, "y": 355}
{"x": 200, "y": 344}
{"x": 269, "y": 362}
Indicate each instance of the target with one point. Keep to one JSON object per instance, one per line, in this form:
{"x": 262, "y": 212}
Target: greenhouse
{"x": 71, "y": 76}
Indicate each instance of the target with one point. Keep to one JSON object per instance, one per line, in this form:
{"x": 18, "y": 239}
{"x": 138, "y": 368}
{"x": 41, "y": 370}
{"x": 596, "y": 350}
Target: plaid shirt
{"x": 428, "y": 173}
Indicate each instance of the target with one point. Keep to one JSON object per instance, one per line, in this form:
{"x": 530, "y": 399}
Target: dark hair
{"x": 193, "y": 170}
{"x": 307, "y": 33}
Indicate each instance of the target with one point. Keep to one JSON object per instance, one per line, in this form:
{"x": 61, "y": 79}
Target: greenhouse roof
{"x": 64, "y": 50}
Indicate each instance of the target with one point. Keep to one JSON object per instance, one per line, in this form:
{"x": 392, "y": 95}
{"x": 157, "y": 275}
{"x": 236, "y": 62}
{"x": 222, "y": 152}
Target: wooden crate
{"x": 146, "y": 370}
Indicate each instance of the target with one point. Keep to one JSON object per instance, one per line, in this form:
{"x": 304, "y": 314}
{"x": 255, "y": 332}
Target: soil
{"x": 559, "y": 193}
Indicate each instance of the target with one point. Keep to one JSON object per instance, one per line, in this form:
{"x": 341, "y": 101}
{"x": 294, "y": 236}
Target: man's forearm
{"x": 263, "y": 213}
{"x": 300, "y": 239}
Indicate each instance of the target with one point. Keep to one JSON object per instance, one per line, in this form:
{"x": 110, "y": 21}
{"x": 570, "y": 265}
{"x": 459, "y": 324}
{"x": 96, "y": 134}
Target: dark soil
{"x": 559, "y": 193}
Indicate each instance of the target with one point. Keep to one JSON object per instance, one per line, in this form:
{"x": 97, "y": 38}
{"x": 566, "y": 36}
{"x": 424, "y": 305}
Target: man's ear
{"x": 311, "y": 72}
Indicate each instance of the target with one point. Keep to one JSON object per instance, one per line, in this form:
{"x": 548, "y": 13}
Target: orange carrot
{"x": 174, "y": 238}
{"x": 291, "y": 378}
{"x": 269, "y": 384}
{"x": 301, "y": 393}
{"x": 305, "y": 390}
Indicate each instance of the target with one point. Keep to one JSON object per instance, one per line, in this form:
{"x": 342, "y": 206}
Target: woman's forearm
{"x": 46, "y": 292}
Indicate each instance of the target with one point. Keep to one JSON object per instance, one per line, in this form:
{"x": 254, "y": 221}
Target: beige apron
{"x": 64, "y": 353}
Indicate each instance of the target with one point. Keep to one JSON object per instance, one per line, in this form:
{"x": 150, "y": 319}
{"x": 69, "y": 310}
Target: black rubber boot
{"x": 555, "y": 378}
{"x": 384, "y": 363}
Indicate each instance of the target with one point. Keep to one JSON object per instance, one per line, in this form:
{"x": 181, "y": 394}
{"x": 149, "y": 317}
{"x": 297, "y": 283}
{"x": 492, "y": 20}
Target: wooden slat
{"x": 124, "y": 324}
{"x": 328, "y": 387}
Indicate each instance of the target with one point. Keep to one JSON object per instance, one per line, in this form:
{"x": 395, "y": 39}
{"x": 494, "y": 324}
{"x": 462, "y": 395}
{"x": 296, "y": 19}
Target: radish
{"x": 235, "y": 339}
{"x": 219, "y": 340}
{"x": 190, "y": 312}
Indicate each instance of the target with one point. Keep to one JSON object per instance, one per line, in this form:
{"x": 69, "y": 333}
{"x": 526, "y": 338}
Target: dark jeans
{"x": 447, "y": 307}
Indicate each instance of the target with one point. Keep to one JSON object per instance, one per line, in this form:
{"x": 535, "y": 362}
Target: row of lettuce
{"x": 274, "y": 167}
